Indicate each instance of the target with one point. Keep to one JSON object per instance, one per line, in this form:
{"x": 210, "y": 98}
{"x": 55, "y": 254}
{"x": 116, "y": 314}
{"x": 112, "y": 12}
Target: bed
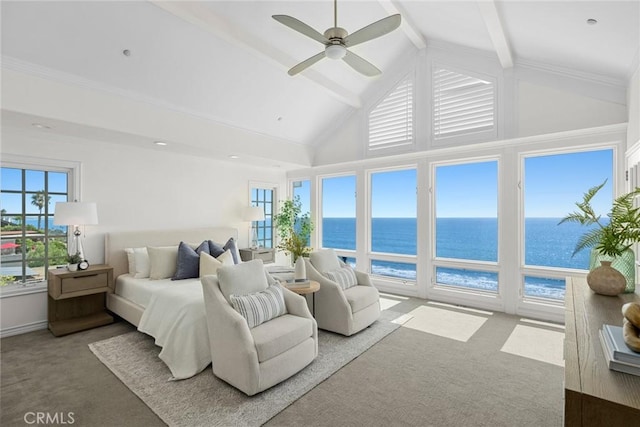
{"x": 172, "y": 312}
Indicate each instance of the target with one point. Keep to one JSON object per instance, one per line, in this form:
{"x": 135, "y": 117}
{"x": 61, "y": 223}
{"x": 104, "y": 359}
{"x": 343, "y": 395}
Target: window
{"x": 302, "y": 193}
{"x": 462, "y": 104}
{"x": 393, "y": 222}
{"x": 552, "y": 184}
{"x": 391, "y": 121}
{"x": 264, "y": 197}
{"x": 466, "y": 225}
{"x": 31, "y": 243}
{"x": 339, "y": 212}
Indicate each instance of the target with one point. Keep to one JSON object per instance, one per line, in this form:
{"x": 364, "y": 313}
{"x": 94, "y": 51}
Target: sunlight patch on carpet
{"x": 445, "y": 323}
{"x": 536, "y": 343}
{"x": 387, "y": 300}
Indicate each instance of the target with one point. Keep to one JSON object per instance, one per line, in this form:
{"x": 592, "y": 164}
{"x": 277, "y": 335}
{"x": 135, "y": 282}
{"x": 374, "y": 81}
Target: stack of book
{"x": 619, "y": 357}
{"x": 297, "y": 283}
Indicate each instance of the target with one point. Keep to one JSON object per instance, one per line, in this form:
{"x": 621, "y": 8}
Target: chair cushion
{"x": 261, "y": 306}
{"x": 345, "y": 277}
{"x": 280, "y": 334}
{"x": 360, "y": 297}
{"x": 242, "y": 279}
{"x": 324, "y": 260}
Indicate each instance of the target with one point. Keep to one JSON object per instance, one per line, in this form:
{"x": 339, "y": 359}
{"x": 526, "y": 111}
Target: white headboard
{"x": 115, "y": 243}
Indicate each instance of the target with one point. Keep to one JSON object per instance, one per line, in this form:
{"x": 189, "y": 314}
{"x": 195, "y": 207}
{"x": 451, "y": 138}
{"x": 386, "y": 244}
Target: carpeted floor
{"x": 206, "y": 401}
{"x": 411, "y": 377}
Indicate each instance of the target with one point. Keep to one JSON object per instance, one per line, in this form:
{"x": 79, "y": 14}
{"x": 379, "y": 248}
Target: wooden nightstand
{"x": 267, "y": 255}
{"x": 77, "y": 299}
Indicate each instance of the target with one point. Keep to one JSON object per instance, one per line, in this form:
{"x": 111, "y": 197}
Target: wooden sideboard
{"x": 595, "y": 395}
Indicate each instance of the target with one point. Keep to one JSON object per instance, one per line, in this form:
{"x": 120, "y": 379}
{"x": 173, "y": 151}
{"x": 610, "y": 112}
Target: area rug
{"x": 204, "y": 400}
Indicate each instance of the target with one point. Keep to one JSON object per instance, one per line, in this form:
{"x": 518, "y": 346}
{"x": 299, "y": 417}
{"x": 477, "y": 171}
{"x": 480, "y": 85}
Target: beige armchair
{"x": 254, "y": 359}
{"x": 345, "y": 311}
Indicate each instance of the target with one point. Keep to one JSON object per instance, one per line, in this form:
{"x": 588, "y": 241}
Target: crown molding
{"x": 24, "y": 67}
{"x": 571, "y": 73}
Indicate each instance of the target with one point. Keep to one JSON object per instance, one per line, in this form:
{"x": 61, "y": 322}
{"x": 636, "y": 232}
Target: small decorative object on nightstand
{"x": 267, "y": 255}
{"x": 77, "y": 299}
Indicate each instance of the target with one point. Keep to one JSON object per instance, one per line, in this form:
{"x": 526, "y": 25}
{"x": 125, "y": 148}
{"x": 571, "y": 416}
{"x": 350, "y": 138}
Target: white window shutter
{"x": 391, "y": 121}
{"x": 461, "y": 104}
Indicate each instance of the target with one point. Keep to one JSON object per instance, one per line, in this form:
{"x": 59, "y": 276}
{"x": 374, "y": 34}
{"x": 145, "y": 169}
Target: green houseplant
{"x": 73, "y": 260}
{"x": 294, "y": 229}
{"x": 610, "y": 240}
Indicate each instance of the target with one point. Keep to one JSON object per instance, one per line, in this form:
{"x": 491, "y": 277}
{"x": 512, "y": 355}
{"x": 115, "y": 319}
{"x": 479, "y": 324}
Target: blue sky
{"x": 552, "y": 185}
{"x": 11, "y": 179}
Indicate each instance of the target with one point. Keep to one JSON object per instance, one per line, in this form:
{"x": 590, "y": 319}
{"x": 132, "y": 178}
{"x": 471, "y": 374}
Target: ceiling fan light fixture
{"x": 335, "y": 51}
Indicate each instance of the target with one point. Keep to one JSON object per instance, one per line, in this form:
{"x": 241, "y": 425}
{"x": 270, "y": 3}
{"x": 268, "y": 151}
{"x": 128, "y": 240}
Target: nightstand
{"x": 77, "y": 299}
{"x": 267, "y": 255}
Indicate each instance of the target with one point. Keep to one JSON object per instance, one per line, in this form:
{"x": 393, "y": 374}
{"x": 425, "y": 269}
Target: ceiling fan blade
{"x": 306, "y": 64}
{"x": 300, "y": 27}
{"x": 372, "y": 31}
{"x": 361, "y": 65}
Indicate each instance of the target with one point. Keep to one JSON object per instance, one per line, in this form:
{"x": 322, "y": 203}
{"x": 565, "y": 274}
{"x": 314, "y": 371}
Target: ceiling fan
{"x": 336, "y": 41}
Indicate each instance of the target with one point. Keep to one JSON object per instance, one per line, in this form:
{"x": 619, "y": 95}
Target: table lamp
{"x": 254, "y": 213}
{"x": 76, "y": 214}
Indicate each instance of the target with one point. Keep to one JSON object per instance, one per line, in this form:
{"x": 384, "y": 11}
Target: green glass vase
{"x": 625, "y": 264}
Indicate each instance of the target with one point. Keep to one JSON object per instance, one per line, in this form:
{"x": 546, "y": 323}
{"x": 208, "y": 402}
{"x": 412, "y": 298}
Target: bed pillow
{"x": 215, "y": 250}
{"x": 138, "y": 262}
{"x": 260, "y": 307}
{"x": 324, "y": 260}
{"x": 188, "y": 262}
{"x": 210, "y": 265}
{"x": 242, "y": 279}
{"x": 231, "y": 245}
{"x": 345, "y": 277}
{"x": 163, "y": 261}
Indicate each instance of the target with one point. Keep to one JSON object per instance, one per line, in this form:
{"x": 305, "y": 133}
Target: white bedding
{"x": 174, "y": 315}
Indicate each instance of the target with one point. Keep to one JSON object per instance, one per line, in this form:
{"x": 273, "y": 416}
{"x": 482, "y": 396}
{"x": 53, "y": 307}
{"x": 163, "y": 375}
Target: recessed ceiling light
{"x": 126, "y": 52}
{"x": 592, "y": 21}
{"x": 233, "y": 156}
{"x": 279, "y": 119}
{"x": 161, "y": 143}
{"x": 40, "y": 126}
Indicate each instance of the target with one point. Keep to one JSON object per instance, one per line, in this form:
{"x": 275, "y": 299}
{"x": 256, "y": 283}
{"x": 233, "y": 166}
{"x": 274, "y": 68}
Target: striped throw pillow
{"x": 345, "y": 277}
{"x": 261, "y": 306}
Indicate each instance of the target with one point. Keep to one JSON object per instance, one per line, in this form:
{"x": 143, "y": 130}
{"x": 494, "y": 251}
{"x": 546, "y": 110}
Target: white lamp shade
{"x": 254, "y": 213}
{"x": 75, "y": 213}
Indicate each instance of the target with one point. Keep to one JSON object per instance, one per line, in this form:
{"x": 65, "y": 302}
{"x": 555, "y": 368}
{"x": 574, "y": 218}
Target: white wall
{"x": 542, "y": 109}
{"x": 137, "y": 188}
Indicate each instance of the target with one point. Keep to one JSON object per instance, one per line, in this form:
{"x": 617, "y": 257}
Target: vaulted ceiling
{"x": 227, "y": 61}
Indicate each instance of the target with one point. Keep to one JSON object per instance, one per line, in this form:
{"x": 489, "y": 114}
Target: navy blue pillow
{"x": 215, "y": 250}
{"x": 189, "y": 261}
{"x": 231, "y": 245}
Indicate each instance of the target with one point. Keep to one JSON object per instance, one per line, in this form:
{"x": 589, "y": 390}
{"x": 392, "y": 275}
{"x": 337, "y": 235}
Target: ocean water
{"x": 547, "y": 244}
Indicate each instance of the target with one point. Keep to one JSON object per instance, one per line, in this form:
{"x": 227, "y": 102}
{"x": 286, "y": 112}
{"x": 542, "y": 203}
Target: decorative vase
{"x": 300, "y": 271}
{"x": 72, "y": 267}
{"x": 606, "y": 280}
{"x": 625, "y": 264}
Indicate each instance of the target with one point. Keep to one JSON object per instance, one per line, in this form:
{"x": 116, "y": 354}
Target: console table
{"x": 595, "y": 395}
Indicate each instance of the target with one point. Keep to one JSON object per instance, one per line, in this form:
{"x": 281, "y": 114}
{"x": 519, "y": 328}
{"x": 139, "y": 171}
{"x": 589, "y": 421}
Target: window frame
{"x": 372, "y": 256}
{"x": 73, "y": 170}
{"x": 264, "y": 186}
{"x": 459, "y": 263}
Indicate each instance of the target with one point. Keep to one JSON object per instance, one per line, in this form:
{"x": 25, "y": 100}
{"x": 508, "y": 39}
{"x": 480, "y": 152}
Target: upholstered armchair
{"x": 347, "y": 302}
{"x": 253, "y": 359}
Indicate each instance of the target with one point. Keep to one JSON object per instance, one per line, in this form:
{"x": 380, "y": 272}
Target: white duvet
{"x": 175, "y": 317}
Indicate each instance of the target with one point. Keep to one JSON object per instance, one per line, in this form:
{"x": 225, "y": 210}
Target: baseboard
{"x": 23, "y": 329}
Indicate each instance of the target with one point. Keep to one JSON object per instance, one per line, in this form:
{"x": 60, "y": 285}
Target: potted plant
{"x": 73, "y": 260}
{"x": 610, "y": 240}
{"x": 294, "y": 229}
